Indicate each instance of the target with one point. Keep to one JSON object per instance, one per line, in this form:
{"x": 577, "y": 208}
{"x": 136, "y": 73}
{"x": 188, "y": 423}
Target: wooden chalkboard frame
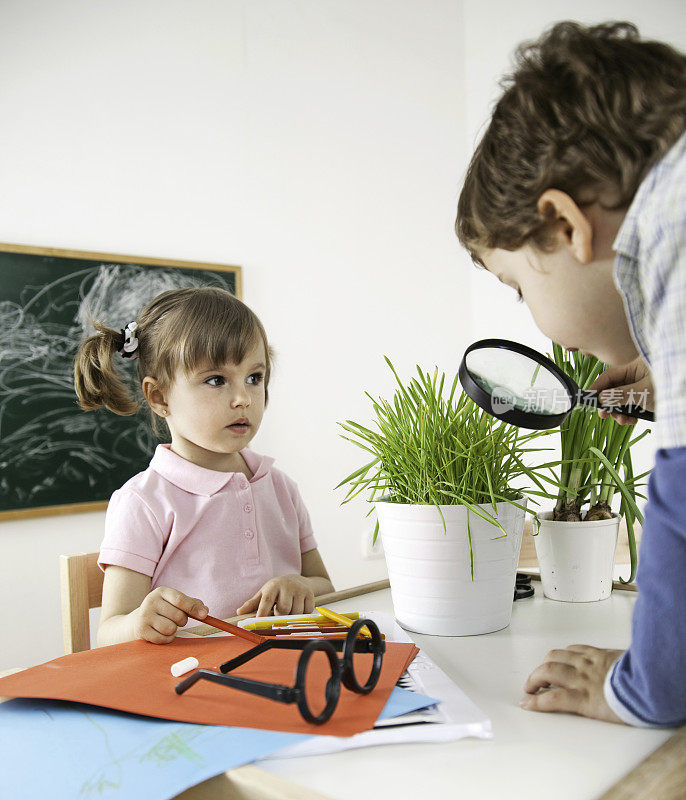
{"x": 109, "y": 259}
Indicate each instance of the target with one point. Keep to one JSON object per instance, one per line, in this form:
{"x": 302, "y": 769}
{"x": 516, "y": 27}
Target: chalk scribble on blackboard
{"x": 51, "y": 452}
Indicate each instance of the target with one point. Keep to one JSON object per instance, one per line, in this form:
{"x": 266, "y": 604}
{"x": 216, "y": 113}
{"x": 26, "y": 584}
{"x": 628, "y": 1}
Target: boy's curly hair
{"x": 588, "y": 111}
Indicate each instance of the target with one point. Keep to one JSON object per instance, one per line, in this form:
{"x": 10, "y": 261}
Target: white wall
{"x": 318, "y": 143}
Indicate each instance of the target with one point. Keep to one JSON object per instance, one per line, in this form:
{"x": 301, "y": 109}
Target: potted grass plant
{"x": 444, "y": 481}
{"x": 576, "y": 545}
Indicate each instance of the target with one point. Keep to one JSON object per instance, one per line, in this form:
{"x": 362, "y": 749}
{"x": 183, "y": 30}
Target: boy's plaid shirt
{"x": 650, "y": 273}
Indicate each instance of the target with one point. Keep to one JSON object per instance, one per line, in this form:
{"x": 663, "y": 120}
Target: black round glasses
{"x": 316, "y": 698}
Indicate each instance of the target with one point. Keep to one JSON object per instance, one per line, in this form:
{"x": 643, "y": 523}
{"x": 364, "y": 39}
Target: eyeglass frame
{"x": 341, "y": 670}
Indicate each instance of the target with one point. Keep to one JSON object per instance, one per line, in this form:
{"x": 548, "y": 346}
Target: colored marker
{"x": 261, "y": 623}
{"x": 305, "y": 631}
{"x": 325, "y": 612}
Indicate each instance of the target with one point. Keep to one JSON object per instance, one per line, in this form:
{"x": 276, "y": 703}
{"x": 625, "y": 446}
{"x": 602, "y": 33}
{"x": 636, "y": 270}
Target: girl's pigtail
{"x": 97, "y": 380}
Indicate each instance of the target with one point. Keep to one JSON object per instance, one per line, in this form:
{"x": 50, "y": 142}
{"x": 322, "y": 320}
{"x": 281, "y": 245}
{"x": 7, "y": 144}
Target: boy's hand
{"x": 162, "y": 612}
{"x": 289, "y": 594}
{"x": 628, "y": 384}
{"x": 572, "y": 680}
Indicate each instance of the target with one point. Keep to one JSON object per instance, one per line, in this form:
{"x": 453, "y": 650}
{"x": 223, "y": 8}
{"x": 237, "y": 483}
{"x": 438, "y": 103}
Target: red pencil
{"x": 255, "y": 638}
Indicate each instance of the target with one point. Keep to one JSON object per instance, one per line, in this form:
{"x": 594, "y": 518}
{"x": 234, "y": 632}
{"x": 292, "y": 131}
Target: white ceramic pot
{"x": 429, "y": 569}
{"x": 576, "y": 558}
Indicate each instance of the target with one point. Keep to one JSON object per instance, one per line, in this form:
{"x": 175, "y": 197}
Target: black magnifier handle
{"x": 589, "y": 397}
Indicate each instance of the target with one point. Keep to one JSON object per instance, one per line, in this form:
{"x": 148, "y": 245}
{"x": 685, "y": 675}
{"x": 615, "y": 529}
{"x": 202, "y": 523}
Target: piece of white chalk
{"x": 184, "y": 666}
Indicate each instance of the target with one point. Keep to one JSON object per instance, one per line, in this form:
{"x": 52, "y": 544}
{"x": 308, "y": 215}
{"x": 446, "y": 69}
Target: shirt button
{"x": 247, "y": 508}
{"x": 249, "y": 534}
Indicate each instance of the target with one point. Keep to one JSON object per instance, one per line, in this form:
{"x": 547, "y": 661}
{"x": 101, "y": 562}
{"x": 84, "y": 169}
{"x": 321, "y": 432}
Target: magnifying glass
{"x": 521, "y": 386}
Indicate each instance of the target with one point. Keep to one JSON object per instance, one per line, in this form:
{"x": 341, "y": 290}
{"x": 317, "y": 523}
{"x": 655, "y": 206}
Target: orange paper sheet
{"x": 135, "y": 677}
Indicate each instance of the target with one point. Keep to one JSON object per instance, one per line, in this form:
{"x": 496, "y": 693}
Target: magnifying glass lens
{"x": 523, "y": 387}
{"x": 516, "y": 382}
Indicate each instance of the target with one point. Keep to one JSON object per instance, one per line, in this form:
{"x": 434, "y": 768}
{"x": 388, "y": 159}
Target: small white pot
{"x": 576, "y": 558}
{"x": 429, "y": 569}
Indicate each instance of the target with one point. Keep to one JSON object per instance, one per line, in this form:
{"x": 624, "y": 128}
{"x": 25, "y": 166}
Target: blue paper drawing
{"x": 66, "y": 750}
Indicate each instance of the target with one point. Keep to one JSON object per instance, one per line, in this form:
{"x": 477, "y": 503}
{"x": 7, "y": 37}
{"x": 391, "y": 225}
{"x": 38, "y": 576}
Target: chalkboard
{"x": 55, "y": 458}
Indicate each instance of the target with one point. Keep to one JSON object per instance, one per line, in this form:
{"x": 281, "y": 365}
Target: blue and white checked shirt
{"x": 647, "y": 685}
{"x": 650, "y": 273}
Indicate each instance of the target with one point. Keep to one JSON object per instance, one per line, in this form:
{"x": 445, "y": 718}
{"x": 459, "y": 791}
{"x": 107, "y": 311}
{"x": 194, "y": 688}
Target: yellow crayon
{"x": 325, "y": 612}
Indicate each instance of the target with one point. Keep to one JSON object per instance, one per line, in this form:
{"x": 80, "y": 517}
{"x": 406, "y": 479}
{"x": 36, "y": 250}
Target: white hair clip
{"x": 130, "y": 346}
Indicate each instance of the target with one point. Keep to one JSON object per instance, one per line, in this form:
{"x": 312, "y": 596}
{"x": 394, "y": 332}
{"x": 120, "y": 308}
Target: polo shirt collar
{"x": 199, "y": 480}
{"x": 259, "y": 465}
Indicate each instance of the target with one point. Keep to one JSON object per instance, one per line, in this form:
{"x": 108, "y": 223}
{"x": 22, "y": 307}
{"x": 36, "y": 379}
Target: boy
{"x": 576, "y": 197}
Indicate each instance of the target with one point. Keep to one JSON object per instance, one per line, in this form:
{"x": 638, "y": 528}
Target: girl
{"x": 209, "y": 518}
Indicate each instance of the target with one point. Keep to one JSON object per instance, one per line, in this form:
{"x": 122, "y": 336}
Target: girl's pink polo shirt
{"x": 213, "y": 535}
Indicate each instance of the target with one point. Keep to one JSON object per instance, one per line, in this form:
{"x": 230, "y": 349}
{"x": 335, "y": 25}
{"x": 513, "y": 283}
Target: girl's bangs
{"x": 225, "y": 335}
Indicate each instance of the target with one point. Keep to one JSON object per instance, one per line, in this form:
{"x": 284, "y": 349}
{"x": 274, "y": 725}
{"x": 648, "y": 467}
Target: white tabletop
{"x": 532, "y": 755}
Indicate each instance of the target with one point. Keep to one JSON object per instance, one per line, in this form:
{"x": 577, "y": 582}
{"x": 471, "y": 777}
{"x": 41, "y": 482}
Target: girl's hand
{"x": 630, "y": 384}
{"x": 572, "y": 680}
{"x": 289, "y": 594}
{"x": 163, "y": 612}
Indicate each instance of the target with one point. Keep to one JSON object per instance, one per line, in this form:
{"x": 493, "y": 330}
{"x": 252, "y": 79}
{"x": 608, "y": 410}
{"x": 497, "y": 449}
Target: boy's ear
{"x": 155, "y": 396}
{"x": 575, "y": 226}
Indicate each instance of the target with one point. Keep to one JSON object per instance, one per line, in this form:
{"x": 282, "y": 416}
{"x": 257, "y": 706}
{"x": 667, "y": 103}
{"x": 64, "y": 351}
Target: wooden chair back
{"x": 80, "y": 589}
